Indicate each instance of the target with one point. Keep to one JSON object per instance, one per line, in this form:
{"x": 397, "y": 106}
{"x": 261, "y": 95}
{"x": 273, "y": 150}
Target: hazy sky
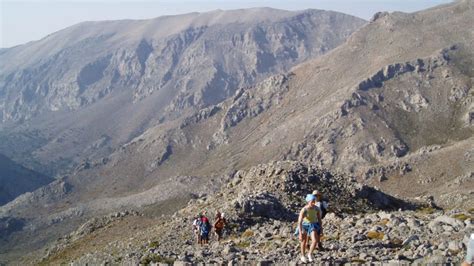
{"x": 24, "y": 21}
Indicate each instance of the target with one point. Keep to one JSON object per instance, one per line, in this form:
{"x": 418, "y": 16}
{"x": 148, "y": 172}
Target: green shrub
{"x": 243, "y": 244}
{"x": 426, "y": 210}
{"x": 153, "y": 244}
{"x": 461, "y": 216}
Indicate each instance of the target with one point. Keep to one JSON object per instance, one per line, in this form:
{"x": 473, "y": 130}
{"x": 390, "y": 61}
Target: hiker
{"x": 204, "y": 229}
{"x": 309, "y": 223}
{"x": 322, "y": 204}
{"x": 219, "y": 224}
{"x": 470, "y": 252}
{"x": 196, "y": 223}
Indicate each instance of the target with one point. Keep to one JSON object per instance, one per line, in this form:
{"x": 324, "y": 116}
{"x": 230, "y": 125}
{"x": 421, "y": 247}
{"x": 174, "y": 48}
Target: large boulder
{"x": 262, "y": 205}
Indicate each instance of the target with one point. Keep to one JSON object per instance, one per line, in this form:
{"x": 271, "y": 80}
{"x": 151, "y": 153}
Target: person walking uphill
{"x": 204, "y": 229}
{"x": 322, "y": 204}
{"x": 196, "y": 229}
{"x": 309, "y": 223}
{"x": 219, "y": 225}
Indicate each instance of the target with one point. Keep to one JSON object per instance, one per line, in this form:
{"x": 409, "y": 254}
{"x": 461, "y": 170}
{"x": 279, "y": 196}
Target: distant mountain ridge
{"x": 102, "y": 83}
{"x": 83, "y": 63}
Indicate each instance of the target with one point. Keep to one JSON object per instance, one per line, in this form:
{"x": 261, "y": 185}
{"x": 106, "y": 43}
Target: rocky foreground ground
{"x": 364, "y": 226}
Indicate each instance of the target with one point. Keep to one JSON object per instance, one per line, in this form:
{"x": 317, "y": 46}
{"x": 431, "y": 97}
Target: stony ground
{"x": 261, "y": 206}
{"x": 378, "y": 237}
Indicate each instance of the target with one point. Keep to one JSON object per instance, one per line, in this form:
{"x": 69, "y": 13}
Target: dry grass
{"x": 461, "y": 216}
{"x": 396, "y": 241}
{"x": 153, "y": 244}
{"x": 98, "y": 240}
{"x": 375, "y": 235}
{"x": 243, "y": 244}
{"x": 358, "y": 261}
{"x": 471, "y": 211}
{"x": 248, "y": 233}
{"x": 426, "y": 210}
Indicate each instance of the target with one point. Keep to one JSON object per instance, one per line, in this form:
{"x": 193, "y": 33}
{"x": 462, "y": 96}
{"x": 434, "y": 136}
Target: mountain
{"x": 72, "y": 99}
{"x": 391, "y": 107}
{"x": 81, "y": 92}
{"x": 16, "y": 179}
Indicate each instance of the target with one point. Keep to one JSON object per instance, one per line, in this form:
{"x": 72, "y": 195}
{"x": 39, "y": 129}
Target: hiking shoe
{"x": 310, "y": 258}
{"x": 303, "y": 259}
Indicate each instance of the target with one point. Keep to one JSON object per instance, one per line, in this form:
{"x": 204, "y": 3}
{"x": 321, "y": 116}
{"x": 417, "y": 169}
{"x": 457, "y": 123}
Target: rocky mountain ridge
{"x": 375, "y": 125}
{"x": 136, "y": 74}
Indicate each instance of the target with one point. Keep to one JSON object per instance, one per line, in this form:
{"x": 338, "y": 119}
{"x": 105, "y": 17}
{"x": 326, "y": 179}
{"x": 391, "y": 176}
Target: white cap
{"x": 222, "y": 215}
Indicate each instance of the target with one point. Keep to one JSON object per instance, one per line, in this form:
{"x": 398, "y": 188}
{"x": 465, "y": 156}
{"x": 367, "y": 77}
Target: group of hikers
{"x": 202, "y": 227}
{"x": 310, "y": 226}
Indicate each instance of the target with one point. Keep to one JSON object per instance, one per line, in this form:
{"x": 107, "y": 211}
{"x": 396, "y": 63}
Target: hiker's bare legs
{"x": 314, "y": 239}
{"x": 303, "y": 244}
{"x": 318, "y": 239}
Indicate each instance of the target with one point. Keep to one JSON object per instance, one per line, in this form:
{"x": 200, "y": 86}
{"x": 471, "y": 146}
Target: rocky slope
{"x": 83, "y": 91}
{"x": 261, "y": 206}
{"x": 16, "y": 180}
{"x": 391, "y": 106}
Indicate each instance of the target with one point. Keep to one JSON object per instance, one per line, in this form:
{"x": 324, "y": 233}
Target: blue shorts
{"x": 308, "y": 228}
{"x": 205, "y": 235}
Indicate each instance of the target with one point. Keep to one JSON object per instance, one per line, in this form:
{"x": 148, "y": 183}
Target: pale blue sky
{"x": 24, "y": 21}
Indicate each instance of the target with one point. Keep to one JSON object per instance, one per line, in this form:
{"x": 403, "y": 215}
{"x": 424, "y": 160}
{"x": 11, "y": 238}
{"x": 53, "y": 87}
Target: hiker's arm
{"x": 300, "y": 224}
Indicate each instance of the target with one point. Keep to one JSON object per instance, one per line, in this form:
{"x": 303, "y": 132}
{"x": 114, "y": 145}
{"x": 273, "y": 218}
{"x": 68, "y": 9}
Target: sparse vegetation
{"x": 426, "y": 210}
{"x": 375, "y": 235}
{"x": 461, "y": 216}
{"x": 243, "y": 244}
{"x": 358, "y": 261}
{"x": 153, "y": 244}
{"x": 155, "y": 258}
{"x": 248, "y": 233}
{"x": 396, "y": 241}
{"x": 471, "y": 211}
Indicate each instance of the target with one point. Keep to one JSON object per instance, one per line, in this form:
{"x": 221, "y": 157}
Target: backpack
{"x": 220, "y": 224}
{"x": 204, "y": 227}
{"x": 324, "y": 209}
